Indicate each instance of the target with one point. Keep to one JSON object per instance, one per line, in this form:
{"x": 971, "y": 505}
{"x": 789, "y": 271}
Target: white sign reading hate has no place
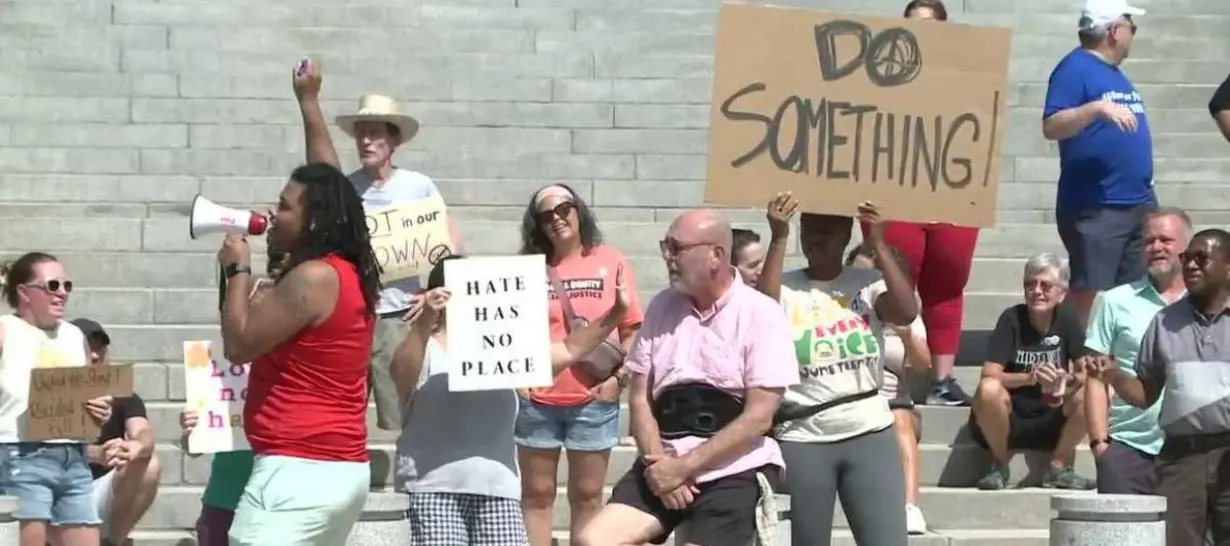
{"x": 498, "y": 328}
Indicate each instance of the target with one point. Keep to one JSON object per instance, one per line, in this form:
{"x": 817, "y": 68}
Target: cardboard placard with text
{"x": 57, "y": 404}
{"x": 841, "y": 108}
{"x": 499, "y": 333}
{"x": 217, "y": 391}
{"x": 409, "y": 239}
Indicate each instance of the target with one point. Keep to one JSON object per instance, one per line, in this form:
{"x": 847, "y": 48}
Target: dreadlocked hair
{"x": 335, "y": 224}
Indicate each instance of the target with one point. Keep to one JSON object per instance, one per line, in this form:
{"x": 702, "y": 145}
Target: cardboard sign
{"x": 58, "y": 396}
{"x": 498, "y": 328}
{"x": 841, "y": 109}
{"x": 216, "y": 390}
{"x": 409, "y": 239}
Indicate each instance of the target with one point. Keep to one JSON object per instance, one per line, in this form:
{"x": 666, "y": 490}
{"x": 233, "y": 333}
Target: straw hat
{"x": 382, "y": 109}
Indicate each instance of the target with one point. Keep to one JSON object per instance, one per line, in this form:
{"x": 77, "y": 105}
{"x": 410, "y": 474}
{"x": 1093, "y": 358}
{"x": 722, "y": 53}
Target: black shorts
{"x": 1033, "y": 428}
{"x": 723, "y": 514}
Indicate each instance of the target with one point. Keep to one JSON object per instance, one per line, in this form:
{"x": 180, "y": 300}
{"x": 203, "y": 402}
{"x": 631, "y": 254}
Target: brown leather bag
{"x": 602, "y": 362}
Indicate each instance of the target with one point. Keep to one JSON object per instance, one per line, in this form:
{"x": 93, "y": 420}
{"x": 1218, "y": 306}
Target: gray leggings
{"x": 865, "y": 472}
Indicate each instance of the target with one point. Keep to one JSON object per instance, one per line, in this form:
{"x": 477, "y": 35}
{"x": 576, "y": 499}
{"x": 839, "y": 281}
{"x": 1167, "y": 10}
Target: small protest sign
{"x": 58, "y": 396}
{"x": 498, "y": 326}
{"x": 409, "y": 239}
{"x": 841, "y": 108}
{"x": 216, "y": 390}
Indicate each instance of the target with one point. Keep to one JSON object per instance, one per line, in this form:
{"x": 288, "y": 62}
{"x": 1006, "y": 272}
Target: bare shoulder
{"x": 307, "y": 283}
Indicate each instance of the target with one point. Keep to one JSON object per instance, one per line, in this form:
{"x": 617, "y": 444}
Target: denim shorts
{"x": 590, "y": 427}
{"x": 52, "y": 482}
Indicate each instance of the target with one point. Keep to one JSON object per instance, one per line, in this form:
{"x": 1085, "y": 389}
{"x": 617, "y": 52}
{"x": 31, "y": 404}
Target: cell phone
{"x": 303, "y": 67}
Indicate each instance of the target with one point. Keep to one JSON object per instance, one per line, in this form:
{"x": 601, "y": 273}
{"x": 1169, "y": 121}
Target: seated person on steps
{"x": 122, "y": 459}
{"x": 1028, "y": 397}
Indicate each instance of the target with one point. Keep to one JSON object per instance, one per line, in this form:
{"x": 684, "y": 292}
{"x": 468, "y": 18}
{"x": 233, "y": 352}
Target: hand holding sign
{"x": 100, "y": 409}
{"x": 869, "y": 213}
{"x": 434, "y": 303}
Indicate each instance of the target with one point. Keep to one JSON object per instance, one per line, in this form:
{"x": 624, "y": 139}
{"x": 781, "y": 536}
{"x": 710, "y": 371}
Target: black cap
{"x": 92, "y": 330}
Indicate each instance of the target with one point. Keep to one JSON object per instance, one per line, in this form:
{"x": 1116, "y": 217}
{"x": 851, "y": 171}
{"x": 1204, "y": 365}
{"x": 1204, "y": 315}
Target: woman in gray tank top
{"x": 456, "y": 456}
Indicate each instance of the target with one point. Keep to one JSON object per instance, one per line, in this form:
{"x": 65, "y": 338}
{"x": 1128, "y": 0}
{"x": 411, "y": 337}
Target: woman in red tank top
{"x": 308, "y": 341}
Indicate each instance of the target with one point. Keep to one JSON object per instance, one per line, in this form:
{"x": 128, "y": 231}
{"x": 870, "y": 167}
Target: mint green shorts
{"x": 300, "y": 502}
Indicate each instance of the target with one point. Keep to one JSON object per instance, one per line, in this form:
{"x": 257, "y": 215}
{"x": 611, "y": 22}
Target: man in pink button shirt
{"x": 709, "y": 367}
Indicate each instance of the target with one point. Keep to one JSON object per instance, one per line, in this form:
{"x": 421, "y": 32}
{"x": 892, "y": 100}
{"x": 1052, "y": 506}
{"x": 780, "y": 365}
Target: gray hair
{"x": 1091, "y": 35}
{"x": 1045, "y": 262}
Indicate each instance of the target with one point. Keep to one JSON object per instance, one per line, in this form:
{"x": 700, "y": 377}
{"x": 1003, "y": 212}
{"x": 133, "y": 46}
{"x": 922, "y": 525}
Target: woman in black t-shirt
{"x": 1028, "y": 397}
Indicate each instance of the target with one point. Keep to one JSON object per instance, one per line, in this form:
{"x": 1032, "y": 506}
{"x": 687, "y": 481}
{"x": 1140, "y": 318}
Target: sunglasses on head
{"x": 53, "y": 285}
{"x": 561, "y": 211}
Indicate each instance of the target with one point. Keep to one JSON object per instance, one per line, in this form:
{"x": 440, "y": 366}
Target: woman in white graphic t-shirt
{"x": 834, "y": 428}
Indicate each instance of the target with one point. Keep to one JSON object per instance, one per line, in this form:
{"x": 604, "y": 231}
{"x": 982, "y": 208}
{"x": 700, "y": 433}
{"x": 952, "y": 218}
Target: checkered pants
{"x": 457, "y": 519}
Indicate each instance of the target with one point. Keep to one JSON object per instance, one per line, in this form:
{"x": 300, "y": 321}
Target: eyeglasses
{"x": 671, "y": 248}
{"x": 560, "y": 211}
{"x": 53, "y": 285}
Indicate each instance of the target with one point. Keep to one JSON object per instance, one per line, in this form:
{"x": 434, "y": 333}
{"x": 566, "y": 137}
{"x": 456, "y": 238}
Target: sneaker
{"x": 1066, "y": 478}
{"x": 915, "y": 524}
{"x": 947, "y": 392}
{"x": 996, "y": 479}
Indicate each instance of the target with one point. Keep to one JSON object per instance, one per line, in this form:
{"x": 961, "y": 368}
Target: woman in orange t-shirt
{"x": 580, "y": 412}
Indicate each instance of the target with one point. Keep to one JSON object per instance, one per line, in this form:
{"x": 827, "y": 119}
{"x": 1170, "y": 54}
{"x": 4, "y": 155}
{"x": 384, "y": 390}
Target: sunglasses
{"x": 1201, "y": 259}
{"x": 560, "y": 211}
{"x": 53, "y": 285}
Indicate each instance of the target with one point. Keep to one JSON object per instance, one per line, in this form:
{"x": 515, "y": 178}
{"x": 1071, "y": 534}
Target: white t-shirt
{"x": 403, "y": 186}
{"x": 893, "y": 350}
{"x": 838, "y": 340}
{"x": 25, "y": 348}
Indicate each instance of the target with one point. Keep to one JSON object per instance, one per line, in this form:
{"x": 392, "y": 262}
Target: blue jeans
{"x": 52, "y": 482}
{"x": 591, "y": 427}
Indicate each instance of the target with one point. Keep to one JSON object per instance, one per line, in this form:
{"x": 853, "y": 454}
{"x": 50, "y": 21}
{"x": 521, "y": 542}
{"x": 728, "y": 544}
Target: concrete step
{"x": 178, "y": 307}
{"x": 946, "y": 466}
{"x": 945, "y": 508}
{"x": 842, "y": 537}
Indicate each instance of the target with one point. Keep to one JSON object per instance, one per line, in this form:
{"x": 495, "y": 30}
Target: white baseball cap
{"x": 1099, "y": 13}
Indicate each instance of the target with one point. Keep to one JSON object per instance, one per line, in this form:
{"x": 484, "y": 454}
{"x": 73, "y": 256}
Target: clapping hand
{"x": 623, "y": 300}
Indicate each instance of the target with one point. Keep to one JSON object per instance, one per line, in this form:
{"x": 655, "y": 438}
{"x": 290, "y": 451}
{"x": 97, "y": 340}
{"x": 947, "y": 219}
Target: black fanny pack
{"x": 793, "y": 412}
{"x": 694, "y": 409}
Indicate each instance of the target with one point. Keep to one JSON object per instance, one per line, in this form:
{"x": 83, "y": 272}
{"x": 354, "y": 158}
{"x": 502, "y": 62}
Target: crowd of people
{"x": 736, "y": 372}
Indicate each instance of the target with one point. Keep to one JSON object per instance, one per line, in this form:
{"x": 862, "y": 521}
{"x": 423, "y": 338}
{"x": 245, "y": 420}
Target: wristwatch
{"x": 621, "y": 379}
{"x": 1095, "y": 442}
{"x": 236, "y": 269}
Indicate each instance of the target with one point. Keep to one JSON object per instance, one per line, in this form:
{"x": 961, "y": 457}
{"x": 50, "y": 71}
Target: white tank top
{"x": 25, "y": 348}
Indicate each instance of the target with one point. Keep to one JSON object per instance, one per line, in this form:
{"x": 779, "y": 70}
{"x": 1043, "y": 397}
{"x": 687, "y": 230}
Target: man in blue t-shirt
{"x": 1105, "y": 154}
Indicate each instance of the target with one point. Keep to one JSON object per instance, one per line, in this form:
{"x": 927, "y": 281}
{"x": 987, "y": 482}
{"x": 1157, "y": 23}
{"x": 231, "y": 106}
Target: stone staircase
{"x": 115, "y": 113}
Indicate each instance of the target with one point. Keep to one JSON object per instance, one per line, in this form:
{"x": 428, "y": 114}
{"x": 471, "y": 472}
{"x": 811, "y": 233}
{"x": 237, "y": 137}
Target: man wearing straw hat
{"x": 378, "y": 128}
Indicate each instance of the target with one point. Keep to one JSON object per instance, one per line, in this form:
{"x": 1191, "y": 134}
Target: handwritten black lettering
{"x": 806, "y": 135}
{"x": 890, "y": 57}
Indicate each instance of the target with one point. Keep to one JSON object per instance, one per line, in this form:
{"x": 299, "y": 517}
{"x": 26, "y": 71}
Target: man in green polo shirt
{"x": 1125, "y": 439}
